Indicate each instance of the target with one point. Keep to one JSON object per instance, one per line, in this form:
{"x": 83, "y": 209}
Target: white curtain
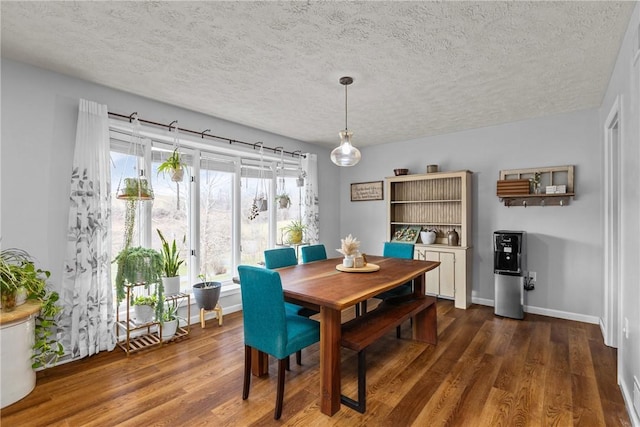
{"x": 310, "y": 214}
{"x": 87, "y": 321}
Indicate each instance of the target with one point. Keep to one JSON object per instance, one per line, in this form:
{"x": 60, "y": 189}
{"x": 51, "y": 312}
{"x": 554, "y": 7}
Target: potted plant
{"x": 139, "y": 265}
{"x": 207, "y": 293}
{"x": 295, "y": 231}
{"x": 144, "y": 307}
{"x": 135, "y": 189}
{"x": 535, "y": 182}
{"x": 170, "y": 320}
{"x": 173, "y": 165}
{"x": 18, "y": 271}
{"x": 171, "y": 263}
{"x": 284, "y": 201}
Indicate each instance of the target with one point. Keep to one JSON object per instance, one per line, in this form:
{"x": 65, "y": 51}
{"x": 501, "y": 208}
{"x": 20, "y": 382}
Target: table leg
{"x": 425, "y": 323}
{"x": 259, "y": 363}
{"x": 330, "y": 332}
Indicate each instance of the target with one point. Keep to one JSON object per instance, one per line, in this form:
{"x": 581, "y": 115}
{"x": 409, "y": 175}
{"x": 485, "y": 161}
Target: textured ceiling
{"x": 420, "y": 68}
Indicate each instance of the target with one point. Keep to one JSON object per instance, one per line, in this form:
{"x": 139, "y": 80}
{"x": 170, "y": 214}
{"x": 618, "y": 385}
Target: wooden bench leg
{"x": 361, "y": 404}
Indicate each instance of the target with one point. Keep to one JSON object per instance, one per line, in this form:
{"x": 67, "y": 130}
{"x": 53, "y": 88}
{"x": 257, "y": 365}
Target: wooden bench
{"x": 361, "y": 332}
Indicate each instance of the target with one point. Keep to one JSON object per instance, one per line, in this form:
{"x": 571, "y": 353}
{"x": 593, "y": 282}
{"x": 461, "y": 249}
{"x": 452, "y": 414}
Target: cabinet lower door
{"x": 433, "y": 276}
{"x": 447, "y": 274}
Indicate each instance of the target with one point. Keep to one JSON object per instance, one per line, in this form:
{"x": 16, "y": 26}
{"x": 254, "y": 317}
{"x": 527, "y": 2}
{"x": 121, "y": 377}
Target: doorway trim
{"x": 611, "y": 328}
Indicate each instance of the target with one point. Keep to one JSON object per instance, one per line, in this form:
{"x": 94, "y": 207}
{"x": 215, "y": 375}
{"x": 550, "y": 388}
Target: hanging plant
{"x": 262, "y": 203}
{"x": 135, "y": 189}
{"x": 174, "y": 165}
{"x": 284, "y": 201}
{"x": 253, "y": 211}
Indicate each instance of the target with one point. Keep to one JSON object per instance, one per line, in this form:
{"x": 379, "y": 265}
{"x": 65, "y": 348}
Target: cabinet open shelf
{"x": 426, "y": 201}
{"x": 427, "y": 224}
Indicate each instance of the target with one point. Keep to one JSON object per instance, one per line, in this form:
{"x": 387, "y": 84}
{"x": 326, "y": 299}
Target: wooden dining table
{"x": 321, "y": 286}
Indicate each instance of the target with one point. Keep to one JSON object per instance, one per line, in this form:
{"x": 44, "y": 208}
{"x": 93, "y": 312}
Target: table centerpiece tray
{"x": 369, "y": 268}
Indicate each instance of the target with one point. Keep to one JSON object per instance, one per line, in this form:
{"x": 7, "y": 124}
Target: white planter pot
{"x": 17, "y": 378}
{"x": 171, "y": 285}
{"x": 144, "y": 313}
{"x": 169, "y": 329}
{"x": 21, "y": 296}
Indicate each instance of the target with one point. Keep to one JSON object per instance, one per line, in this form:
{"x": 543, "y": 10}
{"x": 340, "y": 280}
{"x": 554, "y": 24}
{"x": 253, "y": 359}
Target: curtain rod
{"x": 204, "y": 133}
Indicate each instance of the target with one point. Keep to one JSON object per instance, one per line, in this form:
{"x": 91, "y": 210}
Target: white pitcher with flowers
{"x": 350, "y": 249}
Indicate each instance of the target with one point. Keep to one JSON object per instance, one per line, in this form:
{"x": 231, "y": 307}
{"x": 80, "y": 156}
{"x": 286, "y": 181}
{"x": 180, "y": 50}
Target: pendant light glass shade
{"x": 345, "y": 154}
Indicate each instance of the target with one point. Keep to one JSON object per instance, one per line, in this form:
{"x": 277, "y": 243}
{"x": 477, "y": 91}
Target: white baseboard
{"x": 627, "y": 396}
{"x": 547, "y": 312}
{"x": 482, "y": 301}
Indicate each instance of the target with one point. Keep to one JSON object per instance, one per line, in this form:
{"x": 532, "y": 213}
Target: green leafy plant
{"x": 17, "y": 269}
{"x": 171, "y": 311}
{"x": 150, "y": 300}
{"x": 138, "y": 265}
{"x": 135, "y": 189}
{"x": 535, "y": 182}
{"x": 171, "y": 261}
{"x": 295, "y": 231}
{"x": 172, "y": 164}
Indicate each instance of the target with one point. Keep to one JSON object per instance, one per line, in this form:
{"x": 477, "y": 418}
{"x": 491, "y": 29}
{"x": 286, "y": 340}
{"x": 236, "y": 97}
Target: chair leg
{"x": 247, "y": 372}
{"x": 299, "y": 357}
{"x": 280, "y": 392}
{"x": 287, "y": 364}
{"x": 364, "y": 307}
{"x": 358, "y": 310}
{"x": 398, "y": 334}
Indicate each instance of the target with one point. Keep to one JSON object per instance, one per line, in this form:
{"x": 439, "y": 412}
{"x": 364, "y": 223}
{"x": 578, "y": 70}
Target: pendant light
{"x": 345, "y": 154}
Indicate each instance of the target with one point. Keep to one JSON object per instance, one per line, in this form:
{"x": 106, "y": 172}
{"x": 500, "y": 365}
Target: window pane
{"x": 288, "y": 186}
{"x": 254, "y": 231}
{"x": 215, "y": 255}
{"x": 122, "y": 166}
{"x": 170, "y": 213}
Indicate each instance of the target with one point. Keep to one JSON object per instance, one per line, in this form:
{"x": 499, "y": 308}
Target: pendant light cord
{"x": 345, "y": 108}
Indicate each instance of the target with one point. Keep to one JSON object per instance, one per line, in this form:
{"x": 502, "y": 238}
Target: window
{"x": 216, "y": 223}
{"x": 208, "y": 212}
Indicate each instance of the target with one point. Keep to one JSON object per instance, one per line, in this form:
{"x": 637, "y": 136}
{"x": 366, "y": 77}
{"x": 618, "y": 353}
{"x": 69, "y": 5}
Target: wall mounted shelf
{"x": 549, "y": 176}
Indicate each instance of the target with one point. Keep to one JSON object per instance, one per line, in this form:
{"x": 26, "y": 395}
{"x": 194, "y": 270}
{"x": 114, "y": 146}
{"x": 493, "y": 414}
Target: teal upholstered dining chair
{"x": 397, "y": 250}
{"x": 309, "y": 254}
{"x": 278, "y": 258}
{"x": 313, "y": 253}
{"x": 268, "y": 327}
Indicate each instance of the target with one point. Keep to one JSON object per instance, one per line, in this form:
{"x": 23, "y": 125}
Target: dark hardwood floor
{"x": 485, "y": 371}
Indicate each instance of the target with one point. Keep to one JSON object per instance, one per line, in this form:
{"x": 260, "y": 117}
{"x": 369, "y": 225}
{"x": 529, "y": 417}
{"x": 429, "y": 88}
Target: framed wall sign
{"x": 361, "y": 191}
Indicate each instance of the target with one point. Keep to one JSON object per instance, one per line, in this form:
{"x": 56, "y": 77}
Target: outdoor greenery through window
{"x": 208, "y": 212}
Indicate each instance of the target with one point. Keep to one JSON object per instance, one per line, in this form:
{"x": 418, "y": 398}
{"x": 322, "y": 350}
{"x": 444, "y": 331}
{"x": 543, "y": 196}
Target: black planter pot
{"x": 207, "y": 294}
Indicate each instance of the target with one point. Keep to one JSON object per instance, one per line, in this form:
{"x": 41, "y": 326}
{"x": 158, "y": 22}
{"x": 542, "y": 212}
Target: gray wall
{"x": 39, "y": 116}
{"x": 625, "y": 84}
{"x": 564, "y": 243}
